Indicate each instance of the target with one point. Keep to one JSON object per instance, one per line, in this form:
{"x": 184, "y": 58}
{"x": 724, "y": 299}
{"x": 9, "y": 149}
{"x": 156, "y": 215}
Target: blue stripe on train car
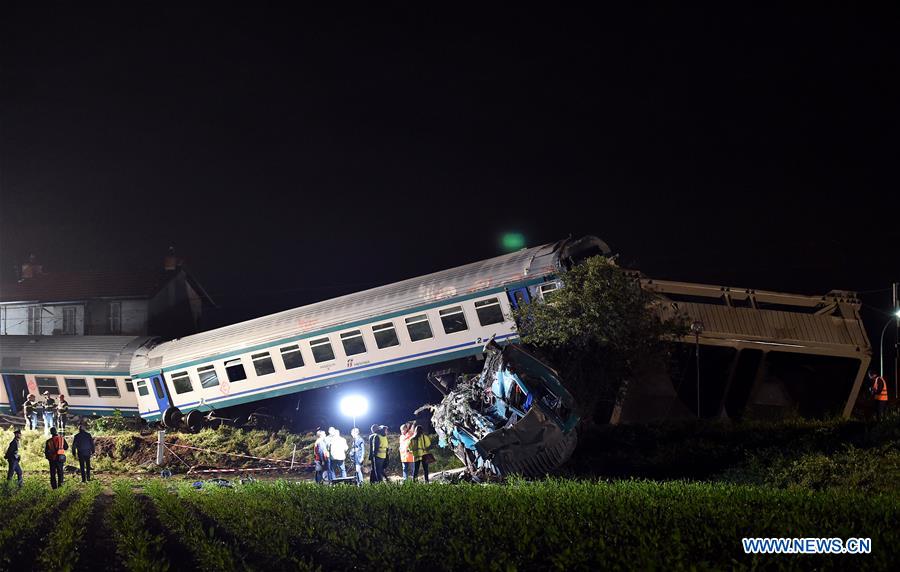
{"x": 358, "y": 372}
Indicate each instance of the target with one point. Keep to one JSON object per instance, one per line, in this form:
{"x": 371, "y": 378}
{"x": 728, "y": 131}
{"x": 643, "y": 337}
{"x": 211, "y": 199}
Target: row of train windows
{"x": 418, "y": 327}
{"x": 78, "y": 387}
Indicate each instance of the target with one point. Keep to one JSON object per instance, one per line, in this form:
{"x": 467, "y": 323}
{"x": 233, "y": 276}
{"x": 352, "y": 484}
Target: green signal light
{"x": 513, "y": 241}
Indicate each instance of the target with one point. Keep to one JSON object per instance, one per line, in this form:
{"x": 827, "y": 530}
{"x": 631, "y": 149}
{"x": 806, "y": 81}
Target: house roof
{"x": 75, "y": 286}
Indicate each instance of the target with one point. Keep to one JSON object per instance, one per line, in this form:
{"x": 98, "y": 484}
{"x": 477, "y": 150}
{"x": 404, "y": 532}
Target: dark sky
{"x": 293, "y": 156}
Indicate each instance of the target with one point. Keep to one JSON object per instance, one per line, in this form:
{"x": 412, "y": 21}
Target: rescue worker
{"x": 419, "y": 446}
{"x": 49, "y": 407}
{"x": 55, "y": 451}
{"x": 321, "y": 456}
{"x": 337, "y": 453}
{"x": 357, "y": 454}
{"x": 62, "y": 414}
{"x": 30, "y": 408}
{"x": 13, "y": 457}
{"x": 879, "y": 391}
{"x": 83, "y": 448}
{"x": 406, "y": 457}
{"x": 378, "y": 448}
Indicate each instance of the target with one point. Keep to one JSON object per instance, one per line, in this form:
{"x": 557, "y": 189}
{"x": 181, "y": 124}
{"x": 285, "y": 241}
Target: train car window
{"x": 353, "y": 343}
{"x": 129, "y": 386}
{"x": 489, "y": 311}
{"x": 182, "y": 382}
{"x": 106, "y": 387}
{"x": 208, "y": 376}
{"x": 548, "y": 289}
{"x": 47, "y": 384}
{"x": 142, "y": 389}
{"x": 385, "y": 335}
{"x": 291, "y": 357}
{"x": 262, "y": 363}
{"x": 418, "y": 328}
{"x": 321, "y": 350}
{"x": 234, "y": 369}
{"x": 453, "y": 320}
{"x": 76, "y": 386}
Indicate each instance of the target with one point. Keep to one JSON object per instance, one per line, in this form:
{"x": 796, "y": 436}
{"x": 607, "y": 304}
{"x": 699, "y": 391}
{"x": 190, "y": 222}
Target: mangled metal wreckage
{"x": 515, "y": 417}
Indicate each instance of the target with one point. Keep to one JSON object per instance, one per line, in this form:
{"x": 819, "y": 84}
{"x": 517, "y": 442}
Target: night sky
{"x": 295, "y": 156}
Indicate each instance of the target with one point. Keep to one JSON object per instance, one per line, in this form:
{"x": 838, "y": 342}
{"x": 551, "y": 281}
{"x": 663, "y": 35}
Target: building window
{"x": 208, "y": 376}
{"x": 453, "y": 320}
{"x": 489, "y": 312}
{"x": 353, "y": 343}
{"x": 68, "y": 327}
{"x": 142, "y": 389}
{"x": 34, "y": 320}
{"x": 106, "y": 387}
{"x": 115, "y": 317}
{"x": 548, "y": 289}
{"x": 77, "y": 387}
{"x": 385, "y": 335}
{"x": 181, "y": 381}
{"x": 234, "y": 369}
{"x": 291, "y": 357}
{"x": 262, "y": 363}
{"x": 321, "y": 350}
{"x": 129, "y": 386}
{"x": 47, "y": 384}
{"x": 418, "y": 328}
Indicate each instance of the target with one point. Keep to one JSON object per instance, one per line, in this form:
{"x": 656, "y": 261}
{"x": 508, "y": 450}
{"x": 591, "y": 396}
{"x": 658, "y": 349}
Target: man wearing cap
{"x": 30, "y": 408}
{"x": 13, "y": 457}
{"x": 49, "y": 412}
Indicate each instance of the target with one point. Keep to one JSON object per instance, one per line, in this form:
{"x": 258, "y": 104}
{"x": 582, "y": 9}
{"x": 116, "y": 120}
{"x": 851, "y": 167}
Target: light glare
{"x": 354, "y": 405}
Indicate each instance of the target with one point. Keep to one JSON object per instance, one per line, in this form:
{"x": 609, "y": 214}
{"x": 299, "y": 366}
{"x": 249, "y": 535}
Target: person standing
{"x": 83, "y": 448}
{"x": 406, "y": 458}
{"x": 55, "y": 451}
{"x": 373, "y": 445}
{"x": 13, "y": 457}
{"x": 357, "y": 453}
{"x": 419, "y": 445}
{"x": 62, "y": 414}
{"x": 30, "y": 408}
{"x": 49, "y": 412}
{"x": 378, "y": 448}
{"x": 338, "y": 454}
{"x": 321, "y": 456}
{"x": 879, "y": 391}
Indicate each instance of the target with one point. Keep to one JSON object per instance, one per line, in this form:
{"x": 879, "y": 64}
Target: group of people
{"x": 331, "y": 451}
{"x": 55, "y": 452}
{"x": 55, "y": 414}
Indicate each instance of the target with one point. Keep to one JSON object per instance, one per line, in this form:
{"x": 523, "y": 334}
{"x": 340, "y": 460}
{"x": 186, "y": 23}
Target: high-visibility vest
{"x": 56, "y": 447}
{"x": 880, "y": 392}
{"x": 381, "y": 446}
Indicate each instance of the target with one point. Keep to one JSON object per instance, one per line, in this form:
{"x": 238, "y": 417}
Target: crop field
{"x": 553, "y": 524}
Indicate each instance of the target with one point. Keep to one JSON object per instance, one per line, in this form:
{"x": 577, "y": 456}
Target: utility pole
{"x": 896, "y": 309}
{"x": 697, "y": 328}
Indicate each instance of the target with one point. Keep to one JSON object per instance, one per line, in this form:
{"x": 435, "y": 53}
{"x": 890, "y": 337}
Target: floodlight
{"x": 354, "y": 406}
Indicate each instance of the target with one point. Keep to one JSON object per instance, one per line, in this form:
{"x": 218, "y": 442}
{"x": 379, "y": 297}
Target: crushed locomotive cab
{"x": 515, "y": 417}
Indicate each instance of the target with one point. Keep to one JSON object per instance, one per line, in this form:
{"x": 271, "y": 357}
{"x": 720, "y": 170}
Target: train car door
{"x": 16, "y": 389}
{"x": 159, "y": 391}
{"x": 518, "y": 297}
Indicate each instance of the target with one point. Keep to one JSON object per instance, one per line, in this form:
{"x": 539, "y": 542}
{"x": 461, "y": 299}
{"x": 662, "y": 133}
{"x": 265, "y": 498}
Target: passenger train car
{"x": 425, "y": 320}
{"x": 91, "y": 371}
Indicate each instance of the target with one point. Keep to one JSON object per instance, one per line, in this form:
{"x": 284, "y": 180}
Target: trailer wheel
{"x": 194, "y": 420}
{"x": 172, "y": 417}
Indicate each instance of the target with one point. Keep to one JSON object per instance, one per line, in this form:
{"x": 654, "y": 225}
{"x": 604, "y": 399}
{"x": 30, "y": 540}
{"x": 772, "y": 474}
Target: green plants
{"x": 138, "y": 548}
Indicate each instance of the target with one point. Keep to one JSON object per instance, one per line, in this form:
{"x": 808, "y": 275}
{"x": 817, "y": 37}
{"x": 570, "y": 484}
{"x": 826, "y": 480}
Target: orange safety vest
{"x": 56, "y": 445}
{"x": 880, "y": 394}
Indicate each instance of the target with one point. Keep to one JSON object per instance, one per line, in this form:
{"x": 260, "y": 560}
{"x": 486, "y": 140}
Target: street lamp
{"x": 354, "y": 406}
{"x": 895, "y": 316}
{"x": 697, "y": 329}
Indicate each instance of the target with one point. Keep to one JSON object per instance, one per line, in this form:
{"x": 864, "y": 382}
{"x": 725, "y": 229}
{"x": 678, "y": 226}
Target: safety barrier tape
{"x": 230, "y": 454}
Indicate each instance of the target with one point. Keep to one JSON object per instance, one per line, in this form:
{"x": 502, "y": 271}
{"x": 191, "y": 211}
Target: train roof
{"x": 525, "y": 264}
{"x": 86, "y": 355}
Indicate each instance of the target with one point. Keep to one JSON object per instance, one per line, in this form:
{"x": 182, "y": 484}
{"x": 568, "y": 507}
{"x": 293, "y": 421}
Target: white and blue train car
{"x": 93, "y": 372}
{"x": 425, "y": 320}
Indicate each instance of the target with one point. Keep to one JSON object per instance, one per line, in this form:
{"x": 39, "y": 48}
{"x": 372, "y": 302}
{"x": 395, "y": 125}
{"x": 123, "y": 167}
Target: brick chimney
{"x": 31, "y": 268}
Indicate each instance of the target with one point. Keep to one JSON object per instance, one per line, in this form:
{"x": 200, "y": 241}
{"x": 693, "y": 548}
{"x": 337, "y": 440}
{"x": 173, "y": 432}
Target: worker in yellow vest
{"x": 419, "y": 446}
{"x": 378, "y": 451}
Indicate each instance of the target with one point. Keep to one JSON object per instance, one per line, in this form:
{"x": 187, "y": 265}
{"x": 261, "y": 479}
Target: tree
{"x": 596, "y": 330}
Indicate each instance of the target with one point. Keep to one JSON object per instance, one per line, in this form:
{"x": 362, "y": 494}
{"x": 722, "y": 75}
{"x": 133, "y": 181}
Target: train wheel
{"x": 194, "y": 420}
{"x": 172, "y": 417}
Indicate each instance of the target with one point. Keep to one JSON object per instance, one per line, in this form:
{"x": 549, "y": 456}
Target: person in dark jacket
{"x": 30, "y": 408}
{"x": 373, "y": 437}
{"x": 13, "y": 457}
{"x": 83, "y": 447}
{"x": 62, "y": 413}
{"x": 357, "y": 454}
{"x": 55, "y": 452}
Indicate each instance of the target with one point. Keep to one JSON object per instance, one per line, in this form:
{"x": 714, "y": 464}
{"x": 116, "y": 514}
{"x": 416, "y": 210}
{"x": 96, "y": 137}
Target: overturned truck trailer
{"x": 515, "y": 417}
